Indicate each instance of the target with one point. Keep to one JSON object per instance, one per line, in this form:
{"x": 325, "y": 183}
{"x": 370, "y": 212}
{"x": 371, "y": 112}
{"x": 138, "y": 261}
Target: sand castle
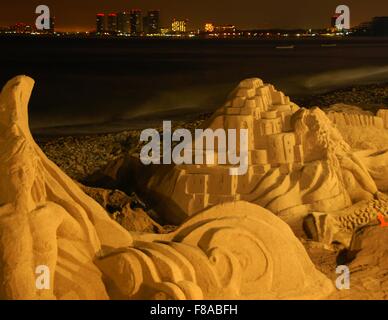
{"x": 236, "y": 250}
{"x": 298, "y": 161}
{"x": 359, "y": 120}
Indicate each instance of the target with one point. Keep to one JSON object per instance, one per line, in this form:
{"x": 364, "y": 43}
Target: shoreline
{"x": 82, "y": 155}
{"x": 370, "y": 97}
{"x": 66, "y": 35}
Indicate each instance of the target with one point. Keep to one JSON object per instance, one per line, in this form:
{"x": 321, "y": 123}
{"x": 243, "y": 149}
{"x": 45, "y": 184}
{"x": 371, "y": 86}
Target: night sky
{"x": 80, "y": 14}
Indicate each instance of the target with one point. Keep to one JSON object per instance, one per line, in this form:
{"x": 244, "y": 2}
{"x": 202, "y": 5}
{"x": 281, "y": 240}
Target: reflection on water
{"x": 340, "y": 78}
{"x": 113, "y": 85}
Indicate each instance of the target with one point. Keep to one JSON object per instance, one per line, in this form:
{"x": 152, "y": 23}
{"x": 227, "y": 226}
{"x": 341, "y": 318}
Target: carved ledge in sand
{"x": 362, "y": 130}
{"x": 342, "y": 119}
{"x": 383, "y": 114}
{"x": 232, "y": 251}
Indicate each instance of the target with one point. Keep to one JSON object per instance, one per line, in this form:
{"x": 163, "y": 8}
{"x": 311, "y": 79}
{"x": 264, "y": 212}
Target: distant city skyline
{"x": 246, "y": 14}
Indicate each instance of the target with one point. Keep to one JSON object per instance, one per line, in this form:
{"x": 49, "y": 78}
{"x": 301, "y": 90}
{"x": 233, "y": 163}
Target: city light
{"x": 209, "y": 27}
{"x": 137, "y": 23}
{"x": 179, "y": 26}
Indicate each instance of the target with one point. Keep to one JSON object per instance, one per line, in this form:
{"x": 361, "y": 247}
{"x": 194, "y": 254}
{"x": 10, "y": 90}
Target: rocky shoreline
{"x": 82, "y": 155}
{"x": 369, "y": 97}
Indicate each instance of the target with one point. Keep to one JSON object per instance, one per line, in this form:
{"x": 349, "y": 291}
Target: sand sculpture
{"x": 232, "y": 251}
{"x": 368, "y": 265}
{"x": 358, "y": 120}
{"x": 341, "y": 226}
{"x": 361, "y": 129}
{"x": 298, "y": 161}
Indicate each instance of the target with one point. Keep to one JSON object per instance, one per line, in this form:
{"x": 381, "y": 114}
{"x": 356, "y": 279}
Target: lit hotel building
{"x": 52, "y": 25}
{"x": 100, "y": 23}
{"x": 124, "y": 23}
{"x": 153, "y": 22}
{"x": 112, "y": 23}
{"x": 209, "y": 27}
{"x": 136, "y": 22}
{"x": 179, "y": 26}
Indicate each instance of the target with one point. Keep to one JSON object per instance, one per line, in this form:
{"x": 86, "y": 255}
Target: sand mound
{"x": 232, "y": 251}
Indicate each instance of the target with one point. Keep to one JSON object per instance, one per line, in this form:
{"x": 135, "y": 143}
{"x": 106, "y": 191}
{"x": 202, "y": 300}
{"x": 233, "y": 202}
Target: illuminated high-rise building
{"x": 112, "y": 23}
{"x": 153, "y": 21}
{"x": 124, "y": 22}
{"x": 20, "y": 27}
{"x": 136, "y": 22}
{"x": 145, "y": 25}
{"x": 100, "y": 23}
{"x": 179, "y": 26}
{"x": 52, "y": 24}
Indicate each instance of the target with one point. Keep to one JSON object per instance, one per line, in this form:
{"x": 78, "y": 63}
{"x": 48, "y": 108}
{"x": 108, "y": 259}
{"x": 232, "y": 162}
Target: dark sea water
{"x": 100, "y": 85}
